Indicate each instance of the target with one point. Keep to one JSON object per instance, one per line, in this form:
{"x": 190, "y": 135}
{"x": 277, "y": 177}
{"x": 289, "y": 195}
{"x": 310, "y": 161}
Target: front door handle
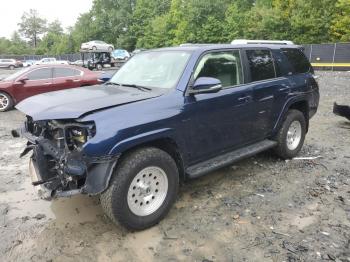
{"x": 284, "y": 88}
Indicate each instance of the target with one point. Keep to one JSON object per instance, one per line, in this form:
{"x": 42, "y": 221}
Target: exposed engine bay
{"x": 58, "y": 165}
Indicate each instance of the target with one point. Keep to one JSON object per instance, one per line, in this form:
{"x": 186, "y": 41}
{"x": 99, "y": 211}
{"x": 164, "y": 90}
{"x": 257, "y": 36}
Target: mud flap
{"x": 98, "y": 177}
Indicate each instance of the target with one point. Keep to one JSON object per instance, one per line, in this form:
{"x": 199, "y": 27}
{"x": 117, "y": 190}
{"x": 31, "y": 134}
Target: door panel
{"x": 39, "y": 81}
{"x": 65, "y": 77}
{"x": 220, "y": 120}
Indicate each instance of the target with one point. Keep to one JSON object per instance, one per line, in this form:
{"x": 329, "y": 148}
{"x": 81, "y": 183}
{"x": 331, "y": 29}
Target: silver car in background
{"x": 9, "y": 63}
{"x": 97, "y": 45}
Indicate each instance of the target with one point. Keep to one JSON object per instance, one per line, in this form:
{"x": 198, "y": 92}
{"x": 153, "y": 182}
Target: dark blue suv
{"x": 166, "y": 116}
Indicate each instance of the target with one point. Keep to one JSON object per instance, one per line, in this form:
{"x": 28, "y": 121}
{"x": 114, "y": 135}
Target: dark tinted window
{"x": 44, "y": 73}
{"x": 261, "y": 64}
{"x": 225, "y": 66}
{"x": 297, "y": 59}
{"x": 65, "y": 72}
{"x": 282, "y": 66}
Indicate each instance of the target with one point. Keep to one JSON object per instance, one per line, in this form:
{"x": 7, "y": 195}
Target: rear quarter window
{"x": 297, "y": 59}
{"x": 261, "y": 65}
{"x": 65, "y": 72}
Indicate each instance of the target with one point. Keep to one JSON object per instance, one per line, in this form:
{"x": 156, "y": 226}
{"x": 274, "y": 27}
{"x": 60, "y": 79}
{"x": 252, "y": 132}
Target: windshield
{"x": 160, "y": 69}
{"x": 17, "y": 74}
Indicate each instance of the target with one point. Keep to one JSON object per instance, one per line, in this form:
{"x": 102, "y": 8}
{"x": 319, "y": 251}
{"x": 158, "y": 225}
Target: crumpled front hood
{"x": 73, "y": 103}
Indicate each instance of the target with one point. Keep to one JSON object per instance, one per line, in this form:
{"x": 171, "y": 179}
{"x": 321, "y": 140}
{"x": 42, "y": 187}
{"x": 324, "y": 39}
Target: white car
{"x": 51, "y": 60}
{"x": 97, "y": 45}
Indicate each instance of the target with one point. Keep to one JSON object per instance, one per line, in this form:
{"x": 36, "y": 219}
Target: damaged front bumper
{"x": 61, "y": 171}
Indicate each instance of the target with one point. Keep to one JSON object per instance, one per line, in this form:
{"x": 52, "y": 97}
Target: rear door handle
{"x": 244, "y": 98}
{"x": 47, "y": 83}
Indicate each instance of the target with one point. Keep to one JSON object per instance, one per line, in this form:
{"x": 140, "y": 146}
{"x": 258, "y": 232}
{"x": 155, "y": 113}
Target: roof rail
{"x": 268, "y": 42}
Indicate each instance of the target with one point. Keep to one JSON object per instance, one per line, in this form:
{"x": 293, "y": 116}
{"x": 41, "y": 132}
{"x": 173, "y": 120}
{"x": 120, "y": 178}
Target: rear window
{"x": 297, "y": 59}
{"x": 65, "y": 72}
{"x": 260, "y": 64}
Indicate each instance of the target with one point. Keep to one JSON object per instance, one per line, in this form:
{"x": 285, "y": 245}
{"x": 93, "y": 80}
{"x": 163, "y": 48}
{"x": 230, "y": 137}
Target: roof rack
{"x": 268, "y": 42}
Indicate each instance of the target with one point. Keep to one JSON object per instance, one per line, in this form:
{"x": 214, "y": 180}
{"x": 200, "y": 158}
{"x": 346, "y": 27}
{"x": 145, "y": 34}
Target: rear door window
{"x": 44, "y": 73}
{"x": 225, "y": 66}
{"x": 65, "y": 72}
{"x": 297, "y": 59}
{"x": 261, "y": 64}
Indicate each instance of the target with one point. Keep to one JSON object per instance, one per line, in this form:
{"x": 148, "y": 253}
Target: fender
{"x": 142, "y": 138}
{"x": 100, "y": 174}
{"x": 299, "y": 97}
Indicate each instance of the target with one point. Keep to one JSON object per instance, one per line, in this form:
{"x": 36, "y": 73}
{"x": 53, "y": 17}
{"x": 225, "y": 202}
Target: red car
{"x": 41, "y": 79}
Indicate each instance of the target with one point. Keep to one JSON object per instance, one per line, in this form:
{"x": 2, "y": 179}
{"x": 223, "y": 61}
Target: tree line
{"x": 131, "y": 24}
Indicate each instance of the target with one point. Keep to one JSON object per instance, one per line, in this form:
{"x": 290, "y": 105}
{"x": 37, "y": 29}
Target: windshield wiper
{"x": 137, "y": 86}
{"x": 111, "y": 83}
{"x": 143, "y": 88}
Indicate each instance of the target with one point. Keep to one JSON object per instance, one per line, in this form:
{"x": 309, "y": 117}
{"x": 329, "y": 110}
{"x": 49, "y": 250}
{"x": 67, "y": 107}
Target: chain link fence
{"x": 334, "y": 56}
{"x": 67, "y": 57}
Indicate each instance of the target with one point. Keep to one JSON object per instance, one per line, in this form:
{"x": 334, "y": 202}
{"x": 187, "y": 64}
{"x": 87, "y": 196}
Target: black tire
{"x": 282, "y": 149}
{"x": 9, "y": 105}
{"x": 99, "y": 67}
{"x": 11, "y": 67}
{"x": 114, "y": 200}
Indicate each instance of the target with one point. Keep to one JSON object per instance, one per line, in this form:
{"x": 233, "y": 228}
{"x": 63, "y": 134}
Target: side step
{"x": 228, "y": 158}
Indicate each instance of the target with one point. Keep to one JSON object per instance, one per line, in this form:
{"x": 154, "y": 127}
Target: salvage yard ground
{"x": 260, "y": 209}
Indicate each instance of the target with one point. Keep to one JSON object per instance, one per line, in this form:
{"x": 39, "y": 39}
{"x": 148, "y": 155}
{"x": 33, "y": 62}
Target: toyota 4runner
{"x": 168, "y": 115}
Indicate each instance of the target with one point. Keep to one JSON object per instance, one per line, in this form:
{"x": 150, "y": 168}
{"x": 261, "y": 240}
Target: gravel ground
{"x": 260, "y": 209}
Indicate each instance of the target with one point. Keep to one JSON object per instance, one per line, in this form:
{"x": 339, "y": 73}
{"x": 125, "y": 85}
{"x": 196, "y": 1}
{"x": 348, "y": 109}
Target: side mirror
{"x": 23, "y": 79}
{"x": 206, "y": 85}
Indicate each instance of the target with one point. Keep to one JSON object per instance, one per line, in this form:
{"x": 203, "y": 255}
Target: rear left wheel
{"x": 142, "y": 190}
{"x": 11, "y": 67}
{"x": 291, "y": 136}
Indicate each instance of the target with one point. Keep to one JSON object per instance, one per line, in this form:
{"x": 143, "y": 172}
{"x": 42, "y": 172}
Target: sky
{"x": 67, "y": 11}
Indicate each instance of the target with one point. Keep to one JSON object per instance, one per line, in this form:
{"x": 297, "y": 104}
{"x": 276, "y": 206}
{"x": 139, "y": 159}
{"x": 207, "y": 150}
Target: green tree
{"x": 55, "y": 27}
{"x": 311, "y": 20}
{"x": 340, "y": 28}
{"x": 32, "y": 26}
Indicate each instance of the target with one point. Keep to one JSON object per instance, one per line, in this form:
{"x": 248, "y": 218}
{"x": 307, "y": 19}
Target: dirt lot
{"x": 260, "y": 209}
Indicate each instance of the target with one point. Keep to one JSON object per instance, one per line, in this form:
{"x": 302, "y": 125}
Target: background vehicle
{"x": 41, "y": 79}
{"x": 10, "y": 63}
{"x": 168, "y": 115}
{"x": 51, "y": 60}
{"x": 97, "y": 45}
{"x": 79, "y": 63}
{"x": 99, "y": 60}
{"x": 27, "y": 63}
{"x": 120, "y": 54}
{"x": 341, "y": 110}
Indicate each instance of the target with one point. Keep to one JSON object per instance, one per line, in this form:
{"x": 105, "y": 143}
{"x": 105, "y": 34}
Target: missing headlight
{"x": 77, "y": 136}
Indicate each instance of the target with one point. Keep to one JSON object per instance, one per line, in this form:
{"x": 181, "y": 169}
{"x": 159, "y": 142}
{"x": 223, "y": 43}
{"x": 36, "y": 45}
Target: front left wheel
{"x": 142, "y": 190}
{"x": 6, "y": 102}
